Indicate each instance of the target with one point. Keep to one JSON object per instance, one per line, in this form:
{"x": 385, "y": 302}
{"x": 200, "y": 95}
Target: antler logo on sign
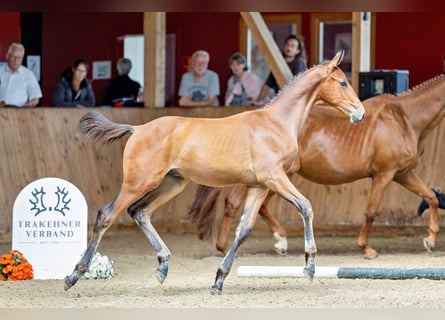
{"x": 50, "y": 225}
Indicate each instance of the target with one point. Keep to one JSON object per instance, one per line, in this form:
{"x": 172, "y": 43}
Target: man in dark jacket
{"x": 294, "y": 54}
{"x": 122, "y": 90}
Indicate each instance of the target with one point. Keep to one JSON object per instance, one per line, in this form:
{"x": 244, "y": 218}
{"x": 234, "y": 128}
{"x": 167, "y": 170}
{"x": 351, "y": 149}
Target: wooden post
{"x": 268, "y": 47}
{"x": 154, "y": 61}
{"x": 361, "y": 45}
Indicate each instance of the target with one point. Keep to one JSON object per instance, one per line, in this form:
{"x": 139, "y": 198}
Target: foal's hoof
{"x": 309, "y": 273}
{"x": 216, "y": 290}
{"x": 67, "y": 283}
{"x": 428, "y": 246}
{"x": 160, "y": 276}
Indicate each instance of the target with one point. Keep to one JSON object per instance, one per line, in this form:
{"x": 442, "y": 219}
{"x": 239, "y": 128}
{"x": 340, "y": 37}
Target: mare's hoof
{"x": 370, "y": 254}
{"x": 428, "y": 246}
{"x": 216, "y": 290}
{"x": 160, "y": 276}
{"x": 222, "y": 249}
{"x": 281, "y": 251}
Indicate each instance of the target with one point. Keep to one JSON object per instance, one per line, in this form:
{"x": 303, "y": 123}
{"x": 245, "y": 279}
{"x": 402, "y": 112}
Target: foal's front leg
{"x": 284, "y": 187}
{"x": 255, "y": 197}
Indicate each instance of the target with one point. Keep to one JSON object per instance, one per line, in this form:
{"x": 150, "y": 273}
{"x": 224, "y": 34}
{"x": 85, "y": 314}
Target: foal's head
{"x": 336, "y": 90}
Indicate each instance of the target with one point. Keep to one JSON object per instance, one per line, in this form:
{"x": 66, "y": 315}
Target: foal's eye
{"x": 343, "y": 84}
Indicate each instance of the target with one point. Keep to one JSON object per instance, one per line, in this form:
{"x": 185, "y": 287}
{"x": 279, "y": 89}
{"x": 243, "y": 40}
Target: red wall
{"x": 217, "y": 33}
{"x": 89, "y": 35}
{"x": 408, "y": 41}
{"x": 9, "y": 31}
{"x": 411, "y": 41}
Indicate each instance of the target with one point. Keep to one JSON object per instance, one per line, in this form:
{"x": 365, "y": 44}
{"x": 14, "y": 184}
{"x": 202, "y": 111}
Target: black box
{"x": 382, "y": 81}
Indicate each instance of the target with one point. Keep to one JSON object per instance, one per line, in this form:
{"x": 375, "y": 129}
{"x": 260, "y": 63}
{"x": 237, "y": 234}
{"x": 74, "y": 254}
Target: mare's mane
{"x": 424, "y": 85}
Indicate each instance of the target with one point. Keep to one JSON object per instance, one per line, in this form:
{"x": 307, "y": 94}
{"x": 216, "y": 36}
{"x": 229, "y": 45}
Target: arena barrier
{"x": 344, "y": 272}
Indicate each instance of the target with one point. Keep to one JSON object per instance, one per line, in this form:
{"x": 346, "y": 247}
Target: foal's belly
{"x": 218, "y": 177}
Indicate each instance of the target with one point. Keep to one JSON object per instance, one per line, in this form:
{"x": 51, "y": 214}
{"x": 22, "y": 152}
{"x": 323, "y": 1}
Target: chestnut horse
{"x": 255, "y": 148}
{"x": 384, "y": 147}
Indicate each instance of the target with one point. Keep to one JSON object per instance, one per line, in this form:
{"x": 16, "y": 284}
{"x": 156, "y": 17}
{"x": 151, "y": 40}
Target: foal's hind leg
{"x": 142, "y": 210}
{"x": 105, "y": 218}
{"x": 255, "y": 196}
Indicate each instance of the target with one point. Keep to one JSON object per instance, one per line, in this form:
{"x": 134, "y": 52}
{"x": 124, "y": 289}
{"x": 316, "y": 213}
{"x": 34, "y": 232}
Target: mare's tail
{"x": 423, "y": 205}
{"x": 96, "y": 127}
{"x": 202, "y": 211}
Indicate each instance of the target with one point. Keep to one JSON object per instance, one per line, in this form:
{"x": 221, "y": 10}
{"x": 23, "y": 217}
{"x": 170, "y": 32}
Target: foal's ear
{"x": 337, "y": 59}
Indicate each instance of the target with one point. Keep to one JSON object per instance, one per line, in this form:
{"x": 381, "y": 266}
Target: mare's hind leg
{"x": 275, "y": 227}
{"x": 413, "y": 183}
{"x": 255, "y": 196}
{"x": 232, "y": 203}
{"x": 142, "y": 210}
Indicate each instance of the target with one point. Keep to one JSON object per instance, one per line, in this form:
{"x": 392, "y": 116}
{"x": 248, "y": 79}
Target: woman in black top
{"x": 73, "y": 88}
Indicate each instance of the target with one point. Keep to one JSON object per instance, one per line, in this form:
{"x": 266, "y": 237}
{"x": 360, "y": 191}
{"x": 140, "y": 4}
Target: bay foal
{"x": 255, "y": 148}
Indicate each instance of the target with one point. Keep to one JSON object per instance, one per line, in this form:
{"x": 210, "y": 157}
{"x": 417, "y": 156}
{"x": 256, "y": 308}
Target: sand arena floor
{"x": 194, "y": 263}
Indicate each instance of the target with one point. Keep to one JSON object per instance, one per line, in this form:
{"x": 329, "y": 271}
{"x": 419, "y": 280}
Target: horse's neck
{"x": 291, "y": 107}
{"x": 425, "y": 107}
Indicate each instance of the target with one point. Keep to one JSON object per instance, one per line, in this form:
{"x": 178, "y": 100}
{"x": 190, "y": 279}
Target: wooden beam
{"x": 361, "y": 46}
{"x": 154, "y": 61}
{"x": 268, "y": 47}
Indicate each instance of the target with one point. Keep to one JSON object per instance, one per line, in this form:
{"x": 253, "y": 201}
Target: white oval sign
{"x": 50, "y": 226}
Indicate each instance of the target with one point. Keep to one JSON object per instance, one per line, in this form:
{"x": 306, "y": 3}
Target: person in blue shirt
{"x": 200, "y": 86}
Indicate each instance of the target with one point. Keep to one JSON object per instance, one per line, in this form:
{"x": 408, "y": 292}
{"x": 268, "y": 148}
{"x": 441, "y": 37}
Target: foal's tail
{"x": 96, "y": 127}
{"x": 202, "y": 211}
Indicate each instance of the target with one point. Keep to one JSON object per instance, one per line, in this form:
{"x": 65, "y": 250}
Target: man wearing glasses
{"x": 18, "y": 85}
{"x": 199, "y": 87}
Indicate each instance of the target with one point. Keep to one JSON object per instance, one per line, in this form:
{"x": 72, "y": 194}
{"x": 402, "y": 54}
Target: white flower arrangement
{"x": 100, "y": 268}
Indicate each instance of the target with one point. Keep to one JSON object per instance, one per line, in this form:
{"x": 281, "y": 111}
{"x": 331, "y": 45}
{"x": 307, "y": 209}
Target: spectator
{"x": 243, "y": 87}
{"x": 73, "y": 88}
{"x": 295, "y": 55}
{"x": 200, "y": 86}
{"x": 18, "y": 85}
{"x": 122, "y": 90}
